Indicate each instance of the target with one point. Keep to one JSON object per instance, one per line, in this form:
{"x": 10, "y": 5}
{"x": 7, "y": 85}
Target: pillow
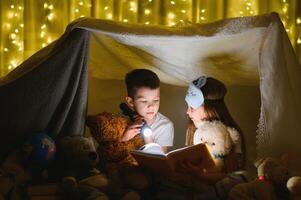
{"x": 107, "y": 129}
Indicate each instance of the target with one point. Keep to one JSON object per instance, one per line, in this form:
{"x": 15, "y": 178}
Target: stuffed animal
{"x": 270, "y": 184}
{"x": 218, "y": 138}
{"x": 12, "y": 175}
{"x": 81, "y": 179}
{"x": 107, "y": 129}
{"x": 294, "y": 187}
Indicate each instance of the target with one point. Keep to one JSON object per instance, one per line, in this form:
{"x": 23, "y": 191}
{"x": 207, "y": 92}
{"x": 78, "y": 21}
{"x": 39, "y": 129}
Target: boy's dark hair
{"x": 138, "y": 78}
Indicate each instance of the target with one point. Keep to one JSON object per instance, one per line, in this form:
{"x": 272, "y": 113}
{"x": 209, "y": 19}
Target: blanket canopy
{"x": 82, "y": 73}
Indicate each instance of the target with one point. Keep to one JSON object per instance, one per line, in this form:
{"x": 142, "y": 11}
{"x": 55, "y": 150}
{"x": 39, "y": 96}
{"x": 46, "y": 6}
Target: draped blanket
{"x": 49, "y": 91}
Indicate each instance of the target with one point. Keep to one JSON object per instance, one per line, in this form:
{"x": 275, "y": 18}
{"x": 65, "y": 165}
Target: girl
{"x": 209, "y": 116}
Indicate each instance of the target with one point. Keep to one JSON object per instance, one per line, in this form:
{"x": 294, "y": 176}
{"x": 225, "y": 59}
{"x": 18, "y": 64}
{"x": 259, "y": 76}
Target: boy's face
{"x": 146, "y": 103}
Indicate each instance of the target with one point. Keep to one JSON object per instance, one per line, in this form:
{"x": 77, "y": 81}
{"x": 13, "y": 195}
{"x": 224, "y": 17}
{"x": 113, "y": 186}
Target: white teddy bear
{"x": 219, "y": 139}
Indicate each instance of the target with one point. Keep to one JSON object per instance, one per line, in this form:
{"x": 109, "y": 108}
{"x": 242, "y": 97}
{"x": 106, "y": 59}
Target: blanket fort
{"x": 49, "y": 91}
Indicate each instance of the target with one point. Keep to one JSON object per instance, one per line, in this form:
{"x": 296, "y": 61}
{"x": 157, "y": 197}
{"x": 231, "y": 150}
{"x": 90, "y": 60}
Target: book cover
{"x": 151, "y": 156}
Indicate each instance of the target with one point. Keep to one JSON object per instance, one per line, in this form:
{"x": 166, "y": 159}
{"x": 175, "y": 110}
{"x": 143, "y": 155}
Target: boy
{"x": 143, "y": 96}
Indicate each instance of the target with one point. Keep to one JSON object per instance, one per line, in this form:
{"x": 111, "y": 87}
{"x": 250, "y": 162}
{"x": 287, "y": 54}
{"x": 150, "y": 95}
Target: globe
{"x": 40, "y": 149}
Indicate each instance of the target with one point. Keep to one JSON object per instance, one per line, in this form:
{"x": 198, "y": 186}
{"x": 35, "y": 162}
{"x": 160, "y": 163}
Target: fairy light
{"x": 125, "y": 20}
{"x": 5, "y": 49}
{"x": 146, "y": 23}
{"x": 133, "y": 6}
{"x": 109, "y": 16}
{"x": 183, "y": 11}
{"x": 147, "y": 11}
{"x": 298, "y": 20}
{"x": 299, "y": 41}
{"x": 172, "y": 3}
{"x": 171, "y": 15}
{"x": 106, "y": 8}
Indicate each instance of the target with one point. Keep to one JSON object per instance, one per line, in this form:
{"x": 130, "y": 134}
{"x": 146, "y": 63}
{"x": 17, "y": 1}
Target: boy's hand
{"x": 131, "y": 131}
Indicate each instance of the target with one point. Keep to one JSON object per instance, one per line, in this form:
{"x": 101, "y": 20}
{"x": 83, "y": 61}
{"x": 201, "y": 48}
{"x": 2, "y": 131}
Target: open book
{"x": 151, "y": 156}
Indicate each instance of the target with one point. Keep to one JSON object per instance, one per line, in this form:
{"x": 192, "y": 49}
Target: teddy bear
{"x": 270, "y": 184}
{"x": 219, "y": 139}
{"x": 107, "y": 129}
{"x": 115, "y": 158}
{"x": 81, "y": 177}
{"x": 294, "y": 187}
{"x": 13, "y": 174}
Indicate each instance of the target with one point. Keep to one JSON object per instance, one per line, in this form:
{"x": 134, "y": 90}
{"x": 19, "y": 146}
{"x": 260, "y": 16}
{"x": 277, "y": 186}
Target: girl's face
{"x": 196, "y": 114}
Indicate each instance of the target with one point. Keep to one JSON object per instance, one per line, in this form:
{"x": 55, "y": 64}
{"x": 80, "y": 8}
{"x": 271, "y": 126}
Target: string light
{"x": 14, "y": 28}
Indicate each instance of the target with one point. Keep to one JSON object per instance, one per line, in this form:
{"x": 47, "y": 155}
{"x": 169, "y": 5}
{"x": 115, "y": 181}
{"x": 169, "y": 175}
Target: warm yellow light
{"x": 147, "y": 11}
{"x": 109, "y": 16}
{"x": 81, "y": 3}
{"x": 283, "y": 1}
{"x": 132, "y": 9}
{"x": 76, "y": 10}
{"x": 183, "y": 11}
{"x": 5, "y": 49}
{"x": 202, "y": 18}
{"x": 9, "y": 67}
{"x": 249, "y": 4}
{"x": 150, "y": 0}
{"x": 203, "y": 10}
{"x": 50, "y": 16}
{"x": 49, "y": 40}
{"x": 20, "y": 8}
{"x": 251, "y": 12}
{"x": 20, "y": 49}
{"x": 16, "y": 14}
{"x": 82, "y": 16}
{"x": 13, "y": 63}
{"x": 21, "y": 25}
{"x": 172, "y": 2}
{"x": 287, "y": 30}
{"x": 12, "y": 6}
{"x": 133, "y": 4}
{"x": 299, "y": 41}
{"x": 241, "y": 12}
{"x": 50, "y": 7}
{"x": 44, "y": 45}
{"x": 45, "y": 5}
{"x": 42, "y": 34}
{"x": 284, "y": 9}
{"x": 16, "y": 30}
{"x": 106, "y": 8}
{"x": 298, "y": 20}
{"x": 10, "y": 14}
{"x": 171, "y": 15}
{"x": 247, "y": 8}
{"x": 43, "y": 26}
{"x": 125, "y": 20}
{"x": 13, "y": 36}
{"x": 8, "y": 26}
{"x": 146, "y": 22}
